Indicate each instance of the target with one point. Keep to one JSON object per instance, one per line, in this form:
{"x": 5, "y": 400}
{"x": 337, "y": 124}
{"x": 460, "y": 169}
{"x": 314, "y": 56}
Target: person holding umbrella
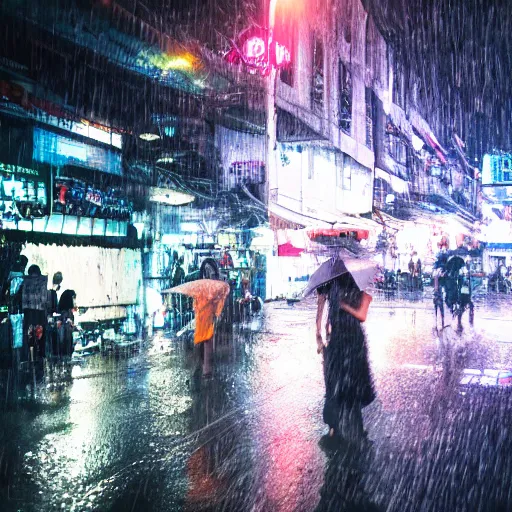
{"x": 209, "y": 297}
{"x": 348, "y": 381}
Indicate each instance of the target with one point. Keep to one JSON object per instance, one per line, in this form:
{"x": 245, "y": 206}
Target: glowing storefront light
{"x": 169, "y": 196}
{"x": 57, "y": 150}
{"x": 165, "y": 160}
{"x": 170, "y": 62}
{"x": 417, "y": 142}
{"x": 254, "y": 48}
{"x": 149, "y": 137}
{"x": 86, "y": 129}
{"x": 139, "y": 226}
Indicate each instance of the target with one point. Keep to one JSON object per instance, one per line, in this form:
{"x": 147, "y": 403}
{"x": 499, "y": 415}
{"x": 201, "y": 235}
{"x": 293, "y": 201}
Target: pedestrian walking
{"x": 348, "y": 382}
{"x": 34, "y": 303}
{"x": 66, "y": 326}
{"x": 209, "y": 296}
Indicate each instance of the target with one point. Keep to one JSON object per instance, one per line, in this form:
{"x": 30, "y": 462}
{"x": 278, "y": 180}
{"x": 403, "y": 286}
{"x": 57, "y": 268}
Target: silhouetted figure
{"x": 348, "y": 381}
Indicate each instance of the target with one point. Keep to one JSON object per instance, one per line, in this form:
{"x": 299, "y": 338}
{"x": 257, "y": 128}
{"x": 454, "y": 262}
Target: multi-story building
{"x": 323, "y": 159}
{"x": 353, "y": 137}
{"x": 342, "y": 134}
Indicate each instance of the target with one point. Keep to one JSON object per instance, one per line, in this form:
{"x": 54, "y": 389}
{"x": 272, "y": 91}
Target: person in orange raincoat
{"x": 209, "y": 297}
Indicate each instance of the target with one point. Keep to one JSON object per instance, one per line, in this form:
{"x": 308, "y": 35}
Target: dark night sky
{"x": 462, "y": 52}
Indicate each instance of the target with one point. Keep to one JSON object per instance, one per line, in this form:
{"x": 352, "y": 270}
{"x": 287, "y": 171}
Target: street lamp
{"x": 271, "y": 125}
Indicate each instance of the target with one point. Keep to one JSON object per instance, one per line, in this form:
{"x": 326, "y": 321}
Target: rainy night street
{"x": 255, "y": 255}
{"x": 146, "y": 433}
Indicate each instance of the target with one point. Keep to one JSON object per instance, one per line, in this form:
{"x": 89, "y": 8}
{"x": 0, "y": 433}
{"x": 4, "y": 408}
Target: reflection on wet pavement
{"x": 148, "y": 433}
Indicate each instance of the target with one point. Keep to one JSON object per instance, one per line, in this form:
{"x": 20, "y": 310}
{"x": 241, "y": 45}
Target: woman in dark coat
{"x": 348, "y": 381}
{"x": 66, "y": 307}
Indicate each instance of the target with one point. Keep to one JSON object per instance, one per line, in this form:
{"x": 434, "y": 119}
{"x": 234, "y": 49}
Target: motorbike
{"x": 499, "y": 283}
{"x": 386, "y": 281}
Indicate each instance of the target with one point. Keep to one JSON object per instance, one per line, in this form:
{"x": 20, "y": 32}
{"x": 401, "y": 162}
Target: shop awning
{"x": 290, "y": 242}
{"x": 289, "y": 249}
{"x": 277, "y": 222}
{"x": 399, "y": 185}
{"x": 110, "y": 242}
{"x": 292, "y": 129}
{"x": 432, "y": 142}
{"x": 338, "y": 232}
{"x": 297, "y": 218}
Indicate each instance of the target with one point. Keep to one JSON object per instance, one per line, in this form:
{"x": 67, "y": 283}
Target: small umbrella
{"x": 209, "y": 297}
{"x": 362, "y": 271}
{"x": 454, "y": 264}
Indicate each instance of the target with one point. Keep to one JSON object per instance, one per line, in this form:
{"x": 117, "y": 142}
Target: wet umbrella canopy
{"x": 361, "y": 270}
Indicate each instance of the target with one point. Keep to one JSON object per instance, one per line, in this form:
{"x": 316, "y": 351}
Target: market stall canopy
{"x": 290, "y": 242}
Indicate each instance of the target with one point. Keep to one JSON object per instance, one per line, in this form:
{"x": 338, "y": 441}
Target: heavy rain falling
{"x": 255, "y": 255}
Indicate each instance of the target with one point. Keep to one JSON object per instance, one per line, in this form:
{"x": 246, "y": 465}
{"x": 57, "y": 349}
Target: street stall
{"x": 69, "y": 208}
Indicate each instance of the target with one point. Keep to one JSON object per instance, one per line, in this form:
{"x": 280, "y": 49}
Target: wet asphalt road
{"x": 146, "y": 432}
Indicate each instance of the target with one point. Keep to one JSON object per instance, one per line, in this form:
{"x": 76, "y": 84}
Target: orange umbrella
{"x": 209, "y": 297}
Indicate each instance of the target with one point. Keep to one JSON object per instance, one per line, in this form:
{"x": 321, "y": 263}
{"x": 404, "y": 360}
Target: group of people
{"x": 42, "y": 320}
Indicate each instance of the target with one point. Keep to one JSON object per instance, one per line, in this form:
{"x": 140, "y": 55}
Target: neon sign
{"x": 282, "y": 56}
{"x": 252, "y": 49}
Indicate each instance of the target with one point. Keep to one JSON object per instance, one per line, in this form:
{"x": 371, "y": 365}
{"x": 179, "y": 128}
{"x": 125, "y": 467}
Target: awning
{"x": 290, "y": 242}
{"x": 276, "y": 222}
{"x": 288, "y": 249}
{"x": 432, "y": 142}
{"x": 338, "y": 232}
{"x": 289, "y": 128}
{"x": 297, "y": 218}
{"x": 399, "y": 185}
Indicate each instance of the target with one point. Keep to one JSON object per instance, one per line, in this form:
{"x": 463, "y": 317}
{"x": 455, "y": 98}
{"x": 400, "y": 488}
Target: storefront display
{"x": 23, "y": 193}
{"x": 76, "y": 197}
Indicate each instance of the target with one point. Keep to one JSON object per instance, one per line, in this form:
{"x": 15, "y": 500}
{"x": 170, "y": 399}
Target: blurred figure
{"x": 66, "y": 326}
{"x": 14, "y": 285}
{"x": 260, "y": 285}
{"x": 415, "y": 271}
{"x": 53, "y": 292}
{"x": 35, "y": 305}
{"x": 226, "y": 260}
{"x": 177, "y": 300}
{"x": 178, "y": 274}
{"x": 248, "y": 303}
{"x": 53, "y": 306}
